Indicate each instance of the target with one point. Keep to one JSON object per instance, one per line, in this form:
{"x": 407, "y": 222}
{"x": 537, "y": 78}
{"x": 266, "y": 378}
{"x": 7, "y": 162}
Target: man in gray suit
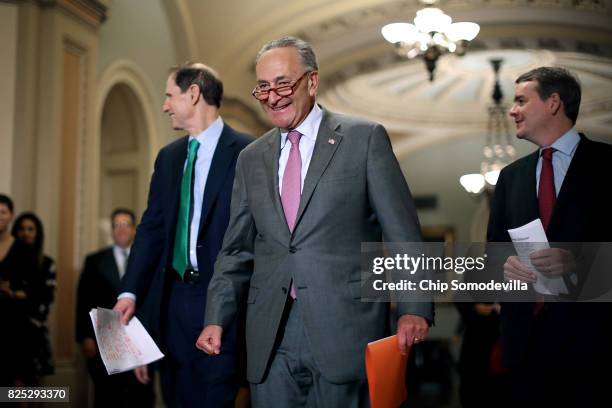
{"x": 306, "y": 194}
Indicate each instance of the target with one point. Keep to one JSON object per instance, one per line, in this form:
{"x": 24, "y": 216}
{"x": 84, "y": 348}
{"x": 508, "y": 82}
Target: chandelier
{"x": 498, "y": 150}
{"x": 432, "y": 35}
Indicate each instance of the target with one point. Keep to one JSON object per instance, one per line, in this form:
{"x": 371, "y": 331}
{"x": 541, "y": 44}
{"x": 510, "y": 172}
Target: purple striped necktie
{"x": 292, "y": 186}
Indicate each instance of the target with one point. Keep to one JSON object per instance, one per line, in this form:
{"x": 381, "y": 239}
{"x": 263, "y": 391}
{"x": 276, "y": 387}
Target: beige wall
{"x": 141, "y": 36}
{"x": 8, "y": 64}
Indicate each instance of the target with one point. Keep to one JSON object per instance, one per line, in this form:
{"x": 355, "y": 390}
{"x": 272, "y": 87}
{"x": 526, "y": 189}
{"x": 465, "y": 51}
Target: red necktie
{"x": 546, "y": 202}
{"x": 546, "y": 190}
{"x": 292, "y": 186}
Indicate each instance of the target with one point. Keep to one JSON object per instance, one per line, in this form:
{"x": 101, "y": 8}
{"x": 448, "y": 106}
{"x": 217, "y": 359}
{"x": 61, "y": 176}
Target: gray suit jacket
{"x": 354, "y": 192}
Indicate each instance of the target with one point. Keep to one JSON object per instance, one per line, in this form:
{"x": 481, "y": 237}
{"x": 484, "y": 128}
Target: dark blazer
{"x": 98, "y": 287}
{"x": 20, "y": 270}
{"x": 568, "y": 333}
{"x": 149, "y": 269}
{"x": 354, "y": 192}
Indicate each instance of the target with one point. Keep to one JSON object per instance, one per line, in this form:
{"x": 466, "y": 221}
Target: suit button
{"x": 284, "y": 291}
{"x": 293, "y": 249}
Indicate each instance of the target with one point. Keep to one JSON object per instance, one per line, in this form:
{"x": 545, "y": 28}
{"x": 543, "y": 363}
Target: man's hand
{"x": 410, "y": 329}
{"x": 553, "y": 262}
{"x": 126, "y": 307}
{"x": 210, "y": 340}
{"x": 487, "y": 309}
{"x": 89, "y": 348}
{"x": 5, "y": 288}
{"x": 514, "y": 269}
{"x": 20, "y": 294}
{"x": 142, "y": 374}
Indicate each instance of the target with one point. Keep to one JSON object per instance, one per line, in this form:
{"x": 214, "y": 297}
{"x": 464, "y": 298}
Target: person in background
{"x": 18, "y": 292}
{"x": 482, "y": 377}
{"x": 99, "y": 287}
{"x": 28, "y": 229}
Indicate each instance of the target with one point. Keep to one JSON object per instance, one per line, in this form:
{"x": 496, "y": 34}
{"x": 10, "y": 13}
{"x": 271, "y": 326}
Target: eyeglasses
{"x": 262, "y": 92}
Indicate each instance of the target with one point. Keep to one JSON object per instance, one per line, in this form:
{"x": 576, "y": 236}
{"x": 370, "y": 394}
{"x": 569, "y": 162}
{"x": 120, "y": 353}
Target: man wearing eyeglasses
{"x": 99, "y": 287}
{"x": 307, "y": 193}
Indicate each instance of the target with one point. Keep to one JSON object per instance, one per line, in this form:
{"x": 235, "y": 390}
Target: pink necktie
{"x": 292, "y": 186}
{"x": 546, "y": 202}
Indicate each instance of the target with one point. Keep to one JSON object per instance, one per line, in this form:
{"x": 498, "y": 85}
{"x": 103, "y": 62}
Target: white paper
{"x": 121, "y": 347}
{"x": 527, "y": 239}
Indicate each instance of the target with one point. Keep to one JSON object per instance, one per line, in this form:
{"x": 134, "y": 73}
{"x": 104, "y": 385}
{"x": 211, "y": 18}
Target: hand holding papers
{"x": 122, "y": 347}
{"x": 386, "y": 371}
{"x": 528, "y": 239}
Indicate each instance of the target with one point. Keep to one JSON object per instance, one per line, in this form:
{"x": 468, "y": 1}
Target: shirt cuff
{"x": 127, "y": 295}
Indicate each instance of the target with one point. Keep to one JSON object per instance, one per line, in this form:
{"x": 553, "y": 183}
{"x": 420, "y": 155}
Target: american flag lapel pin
{"x": 331, "y": 141}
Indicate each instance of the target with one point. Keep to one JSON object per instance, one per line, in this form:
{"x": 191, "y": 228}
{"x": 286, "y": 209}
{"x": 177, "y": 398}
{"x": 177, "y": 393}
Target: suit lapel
{"x": 109, "y": 267}
{"x": 529, "y": 203}
{"x": 220, "y": 165}
{"x": 271, "y": 157}
{"x": 321, "y": 156}
{"x": 572, "y": 179}
{"x": 179, "y": 155}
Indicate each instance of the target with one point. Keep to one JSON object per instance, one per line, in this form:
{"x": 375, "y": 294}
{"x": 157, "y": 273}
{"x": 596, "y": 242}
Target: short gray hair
{"x": 304, "y": 49}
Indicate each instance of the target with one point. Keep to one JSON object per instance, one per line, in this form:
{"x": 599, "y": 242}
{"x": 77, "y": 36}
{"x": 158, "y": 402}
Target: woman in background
{"x": 28, "y": 229}
{"x": 19, "y": 290}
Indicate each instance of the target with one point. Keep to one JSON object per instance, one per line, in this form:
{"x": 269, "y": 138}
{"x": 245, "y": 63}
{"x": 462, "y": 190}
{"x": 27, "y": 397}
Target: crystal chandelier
{"x": 498, "y": 150}
{"x": 432, "y": 34}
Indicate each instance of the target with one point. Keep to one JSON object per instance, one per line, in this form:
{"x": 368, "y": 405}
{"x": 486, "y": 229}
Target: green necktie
{"x": 181, "y": 240}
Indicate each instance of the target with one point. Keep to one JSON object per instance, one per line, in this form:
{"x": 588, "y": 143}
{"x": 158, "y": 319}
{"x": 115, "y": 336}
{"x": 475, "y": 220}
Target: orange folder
{"x": 386, "y": 370}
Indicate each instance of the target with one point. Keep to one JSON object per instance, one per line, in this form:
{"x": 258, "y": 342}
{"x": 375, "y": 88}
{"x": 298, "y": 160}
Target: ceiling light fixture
{"x": 432, "y": 35}
{"x": 498, "y": 150}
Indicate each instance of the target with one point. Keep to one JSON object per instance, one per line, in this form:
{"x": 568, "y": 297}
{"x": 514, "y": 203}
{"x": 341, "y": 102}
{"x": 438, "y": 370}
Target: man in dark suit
{"x": 554, "y": 349}
{"x": 307, "y": 193}
{"x": 99, "y": 287}
{"x": 180, "y": 235}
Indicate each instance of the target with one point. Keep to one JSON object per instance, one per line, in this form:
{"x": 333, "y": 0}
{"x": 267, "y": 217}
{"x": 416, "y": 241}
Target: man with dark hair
{"x": 559, "y": 81}
{"x": 307, "y": 193}
{"x": 124, "y": 211}
{"x": 179, "y": 237}
{"x": 206, "y": 79}
{"x": 99, "y": 287}
{"x": 553, "y": 349}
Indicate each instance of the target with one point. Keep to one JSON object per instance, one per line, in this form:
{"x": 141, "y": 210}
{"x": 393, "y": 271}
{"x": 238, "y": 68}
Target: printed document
{"x": 528, "y": 239}
{"x": 121, "y": 347}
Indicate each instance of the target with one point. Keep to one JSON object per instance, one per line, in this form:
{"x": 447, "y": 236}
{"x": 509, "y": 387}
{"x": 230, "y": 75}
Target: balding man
{"x": 180, "y": 235}
{"x": 307, "y": 194}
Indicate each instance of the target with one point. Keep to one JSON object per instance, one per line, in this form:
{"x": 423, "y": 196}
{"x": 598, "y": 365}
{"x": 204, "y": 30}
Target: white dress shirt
{"x": 121, "y": 257}
{"x": 208, "y": 139}
{"x": 565, "y": 147}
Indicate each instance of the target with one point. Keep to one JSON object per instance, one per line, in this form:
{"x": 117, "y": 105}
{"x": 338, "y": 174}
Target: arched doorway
{"x": 124, "y": 169}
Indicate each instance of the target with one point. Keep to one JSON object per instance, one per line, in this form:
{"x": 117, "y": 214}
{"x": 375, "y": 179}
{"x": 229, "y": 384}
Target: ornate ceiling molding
{"x": 91, "y": 12}
{"x": 482, "y": 11}
{"x": 401, "y": 97}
